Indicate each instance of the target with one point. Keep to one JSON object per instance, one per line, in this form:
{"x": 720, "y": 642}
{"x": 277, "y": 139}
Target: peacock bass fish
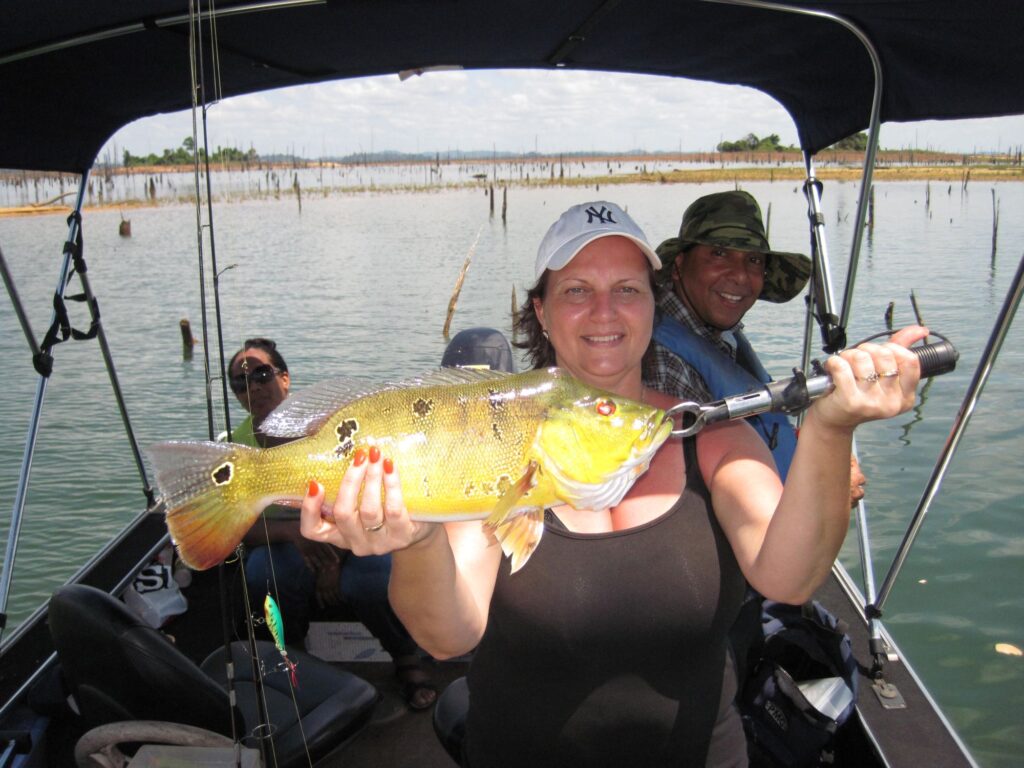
{"x": 468, "y": 444}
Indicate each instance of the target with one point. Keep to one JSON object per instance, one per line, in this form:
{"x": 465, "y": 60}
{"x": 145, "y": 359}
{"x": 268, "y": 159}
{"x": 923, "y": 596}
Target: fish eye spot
{"x": 605, "y": 407}
{"x": 422, "y": 407}
{"x": 222, "y": 475}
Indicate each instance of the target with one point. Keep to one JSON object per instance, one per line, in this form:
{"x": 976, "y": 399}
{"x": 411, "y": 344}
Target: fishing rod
{"x": 793, "y": 394}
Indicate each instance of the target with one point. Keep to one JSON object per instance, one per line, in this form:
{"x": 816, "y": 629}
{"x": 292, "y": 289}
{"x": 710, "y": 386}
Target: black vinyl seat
{"x": 121, "y": 669}
{"x": 450, "y": 714}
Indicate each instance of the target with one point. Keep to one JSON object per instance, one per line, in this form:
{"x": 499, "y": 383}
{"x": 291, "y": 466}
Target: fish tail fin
{"x": 517, "y": 530}
{"x": 201, "y": 487}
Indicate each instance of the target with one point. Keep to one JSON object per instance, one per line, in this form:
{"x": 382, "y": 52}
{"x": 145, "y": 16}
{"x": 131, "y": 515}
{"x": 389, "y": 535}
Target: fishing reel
{"x": 794, "y": 394}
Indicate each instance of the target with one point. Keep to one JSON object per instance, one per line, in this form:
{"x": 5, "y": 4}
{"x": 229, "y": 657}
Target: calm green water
{"x": 360, "y": 285}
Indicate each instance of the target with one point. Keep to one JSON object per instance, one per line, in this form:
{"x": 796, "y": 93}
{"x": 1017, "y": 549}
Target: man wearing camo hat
{"x": 713, "y": 272}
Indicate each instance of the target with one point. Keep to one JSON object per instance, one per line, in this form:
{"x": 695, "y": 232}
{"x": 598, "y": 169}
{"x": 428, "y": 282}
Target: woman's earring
{"x": 544, "y": 333}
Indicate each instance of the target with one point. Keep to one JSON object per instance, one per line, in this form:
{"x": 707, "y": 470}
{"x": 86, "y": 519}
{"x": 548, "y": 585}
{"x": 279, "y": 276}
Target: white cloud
{"x": 516, "y": 111}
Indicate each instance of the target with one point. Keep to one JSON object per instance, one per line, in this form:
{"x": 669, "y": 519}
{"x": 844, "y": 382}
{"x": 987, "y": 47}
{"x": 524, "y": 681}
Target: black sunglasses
{"x": 259, "y": 375}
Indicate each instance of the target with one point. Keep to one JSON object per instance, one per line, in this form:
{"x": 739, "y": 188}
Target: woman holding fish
{"x": 609, "y": 647}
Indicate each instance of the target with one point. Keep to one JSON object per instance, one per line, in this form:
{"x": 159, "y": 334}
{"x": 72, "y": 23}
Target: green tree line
{"x": 753, "y": 143}
{"x": 185, "y": 155}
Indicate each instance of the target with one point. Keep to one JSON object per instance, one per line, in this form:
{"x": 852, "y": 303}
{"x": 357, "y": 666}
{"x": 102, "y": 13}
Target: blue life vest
{"x": 726, "y": 377}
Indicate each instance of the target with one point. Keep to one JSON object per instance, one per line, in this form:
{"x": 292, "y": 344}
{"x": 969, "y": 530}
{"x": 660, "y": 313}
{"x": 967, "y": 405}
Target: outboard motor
{"x": 479, "y": 348}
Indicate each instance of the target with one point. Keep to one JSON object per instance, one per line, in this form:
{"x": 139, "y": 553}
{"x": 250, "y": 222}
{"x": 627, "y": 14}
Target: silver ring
{"x": 373, "y": 528}
{"x": 889, "y": 374}
{"x": 871, "y": 377}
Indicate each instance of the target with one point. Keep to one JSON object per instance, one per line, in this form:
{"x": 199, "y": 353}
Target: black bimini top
{"x": 71, "y": 74}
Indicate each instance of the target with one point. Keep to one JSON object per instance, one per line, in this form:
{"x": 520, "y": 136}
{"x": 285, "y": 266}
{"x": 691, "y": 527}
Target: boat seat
{"x": 121, "y": 669}
{"x": 450, "y": 713}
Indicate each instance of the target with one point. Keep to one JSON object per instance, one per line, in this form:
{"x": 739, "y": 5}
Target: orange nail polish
{"x": 359, "y": 457}
{"x": 314, "y": 487}
{"x": 389, "y": 466}
{"x": 374, "y": 454}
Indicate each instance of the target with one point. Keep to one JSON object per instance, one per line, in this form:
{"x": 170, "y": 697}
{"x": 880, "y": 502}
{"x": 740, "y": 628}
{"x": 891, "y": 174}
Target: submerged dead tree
{"x": 995, "y": 223}
{"x": 458, "y": 286}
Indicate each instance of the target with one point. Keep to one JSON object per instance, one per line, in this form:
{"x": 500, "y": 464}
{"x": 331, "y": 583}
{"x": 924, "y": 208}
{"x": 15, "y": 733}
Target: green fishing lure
{"x": 275, "y": 623}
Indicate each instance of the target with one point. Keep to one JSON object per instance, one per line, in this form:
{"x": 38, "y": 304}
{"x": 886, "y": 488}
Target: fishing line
{"x": 263, "y": 518}
{"x": 264, "y": 732}
{"x": 200, "y": 106}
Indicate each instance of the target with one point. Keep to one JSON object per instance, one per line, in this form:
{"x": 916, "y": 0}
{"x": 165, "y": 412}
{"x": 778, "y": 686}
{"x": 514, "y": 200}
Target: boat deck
{"x": 398, "y": 737}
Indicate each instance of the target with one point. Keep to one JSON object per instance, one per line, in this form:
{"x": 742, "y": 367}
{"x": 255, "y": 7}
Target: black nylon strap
{"x": 60, "y": 330}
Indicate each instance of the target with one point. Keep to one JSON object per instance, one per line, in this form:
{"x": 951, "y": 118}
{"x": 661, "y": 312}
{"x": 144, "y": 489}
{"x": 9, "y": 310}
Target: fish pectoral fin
{"x": 506, "y": 504}
{"x": 519, "y": 535}
{"x": 517, "y": 530}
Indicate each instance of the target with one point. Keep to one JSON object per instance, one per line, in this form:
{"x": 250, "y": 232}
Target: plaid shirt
{"x": 667, "y": 372}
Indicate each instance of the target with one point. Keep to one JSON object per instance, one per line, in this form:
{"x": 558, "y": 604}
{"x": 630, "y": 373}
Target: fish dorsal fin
{"x": 305, "y": 412}
{"x": 443, "y": 376}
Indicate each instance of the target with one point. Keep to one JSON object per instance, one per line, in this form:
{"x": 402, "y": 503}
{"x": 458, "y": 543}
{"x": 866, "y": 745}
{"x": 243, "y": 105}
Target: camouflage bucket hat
{"x": 733, "y": 220}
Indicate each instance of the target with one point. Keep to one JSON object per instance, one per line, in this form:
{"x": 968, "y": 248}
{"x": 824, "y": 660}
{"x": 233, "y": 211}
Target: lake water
{"x": 359, "y": 284}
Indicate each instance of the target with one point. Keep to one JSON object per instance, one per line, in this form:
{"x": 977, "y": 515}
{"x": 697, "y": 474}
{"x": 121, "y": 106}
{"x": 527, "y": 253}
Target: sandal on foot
{"x": 418, "y": 691}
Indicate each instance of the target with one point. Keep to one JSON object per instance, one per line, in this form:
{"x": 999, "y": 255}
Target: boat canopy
{"x": 71, "y": 74}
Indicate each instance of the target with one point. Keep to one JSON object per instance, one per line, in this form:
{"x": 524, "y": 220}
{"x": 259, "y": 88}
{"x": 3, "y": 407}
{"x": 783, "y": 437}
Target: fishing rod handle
{"x": 796, "y": 393}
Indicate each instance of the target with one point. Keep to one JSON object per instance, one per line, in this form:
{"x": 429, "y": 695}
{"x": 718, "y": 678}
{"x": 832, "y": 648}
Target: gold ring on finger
{"x": 889, "y": 374}
{"x": 373, "y": 528}
{"x": 871, "y": 377}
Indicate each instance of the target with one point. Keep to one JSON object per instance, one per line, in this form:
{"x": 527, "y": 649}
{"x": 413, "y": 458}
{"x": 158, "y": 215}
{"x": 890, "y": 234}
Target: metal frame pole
{"x": 995, "y": 342}
{"x": 18, "y": 511}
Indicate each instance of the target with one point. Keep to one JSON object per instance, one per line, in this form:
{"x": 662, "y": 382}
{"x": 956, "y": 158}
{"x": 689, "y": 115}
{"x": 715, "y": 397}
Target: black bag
{"x": 797, "y": 644}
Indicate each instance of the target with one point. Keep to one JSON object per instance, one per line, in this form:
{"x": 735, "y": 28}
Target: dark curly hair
{"x": 539, "y": 350}
{"x": 267, "y": 345}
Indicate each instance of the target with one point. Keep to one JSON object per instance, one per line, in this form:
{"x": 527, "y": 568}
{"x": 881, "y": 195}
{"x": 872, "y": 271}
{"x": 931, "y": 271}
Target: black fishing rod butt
{"x": 936, "y": 359}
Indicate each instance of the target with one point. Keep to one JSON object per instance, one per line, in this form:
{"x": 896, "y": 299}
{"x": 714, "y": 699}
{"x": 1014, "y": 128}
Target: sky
{"x": 521, "y": 111}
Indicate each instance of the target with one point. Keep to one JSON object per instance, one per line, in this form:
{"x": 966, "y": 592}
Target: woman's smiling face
{"x": 599, "y": 313}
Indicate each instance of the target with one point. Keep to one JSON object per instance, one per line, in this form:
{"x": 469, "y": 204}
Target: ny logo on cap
{"x": 604, "y": 216}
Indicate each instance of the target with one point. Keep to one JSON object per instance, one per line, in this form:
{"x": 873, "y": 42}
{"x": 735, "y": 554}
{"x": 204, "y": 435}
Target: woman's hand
{"x": 368, "y": 515}
{"x": 872, "y": 381}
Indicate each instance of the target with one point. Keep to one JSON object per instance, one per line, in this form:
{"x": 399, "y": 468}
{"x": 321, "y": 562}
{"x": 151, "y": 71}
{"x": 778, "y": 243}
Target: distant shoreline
{"x": 770, "y": 167}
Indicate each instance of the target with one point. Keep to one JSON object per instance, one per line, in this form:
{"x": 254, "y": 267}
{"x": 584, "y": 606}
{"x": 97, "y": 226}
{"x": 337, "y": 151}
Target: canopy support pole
{"x": 19, "y": 308}
{"x": 834, "y": 332}
{"x": 17, "y": 512}
{"x": 995, "y": 342}
{"x": 72, "y": 263}
{"x": 115, "y": 384}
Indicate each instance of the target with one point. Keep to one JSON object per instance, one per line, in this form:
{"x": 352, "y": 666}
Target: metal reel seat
{"x": 120, "y": 669}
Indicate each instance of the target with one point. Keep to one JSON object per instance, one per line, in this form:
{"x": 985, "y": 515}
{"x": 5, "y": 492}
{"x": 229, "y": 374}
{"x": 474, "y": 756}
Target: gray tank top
{"x": 611, "y": 649}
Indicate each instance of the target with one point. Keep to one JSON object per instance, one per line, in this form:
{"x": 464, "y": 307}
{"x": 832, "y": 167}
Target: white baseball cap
{"x": 583, "y": 224}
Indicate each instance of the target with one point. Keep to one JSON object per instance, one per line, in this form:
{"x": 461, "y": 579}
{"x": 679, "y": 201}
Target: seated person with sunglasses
{"x": 310, "y": 575}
